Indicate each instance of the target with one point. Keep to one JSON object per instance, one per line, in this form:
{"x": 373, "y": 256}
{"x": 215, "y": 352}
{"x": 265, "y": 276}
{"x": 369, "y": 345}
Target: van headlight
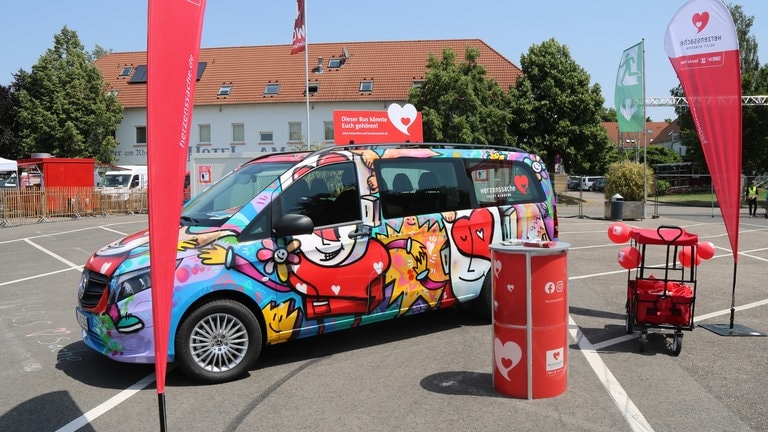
{"x": 132, "y": 283}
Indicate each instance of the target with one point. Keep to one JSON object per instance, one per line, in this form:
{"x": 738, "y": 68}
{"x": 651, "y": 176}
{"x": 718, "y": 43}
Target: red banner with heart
{"x": 397, "y": 124}
{"x": 702, "y": 45}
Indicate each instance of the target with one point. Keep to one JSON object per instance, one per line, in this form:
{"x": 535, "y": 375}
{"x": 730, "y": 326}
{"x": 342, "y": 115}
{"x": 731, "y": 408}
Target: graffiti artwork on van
{"x": 312, "y": 283}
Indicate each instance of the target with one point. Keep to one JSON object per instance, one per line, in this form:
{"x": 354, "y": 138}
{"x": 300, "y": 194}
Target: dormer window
{"x": 418, "y": 83}
{"x": 224, "y": 90}
{"x": 126, "y": 71}
{"x": 313, "y": 87}
{"x": 366, "y": 86}
{"x": 272, "y": 89}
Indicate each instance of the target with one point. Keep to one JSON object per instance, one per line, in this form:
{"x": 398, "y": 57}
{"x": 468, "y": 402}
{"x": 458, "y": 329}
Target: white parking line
{"x": 112, "y": 402}
{"x": 60, "y": 258}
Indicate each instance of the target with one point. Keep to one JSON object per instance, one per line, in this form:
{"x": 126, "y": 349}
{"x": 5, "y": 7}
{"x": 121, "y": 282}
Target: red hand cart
{"x": 662, "y": 295}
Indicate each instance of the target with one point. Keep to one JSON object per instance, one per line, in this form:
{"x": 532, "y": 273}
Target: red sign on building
{"x": 395, "y": 125}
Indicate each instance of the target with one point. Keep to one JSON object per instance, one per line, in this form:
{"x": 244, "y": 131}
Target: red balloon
{"x": 619, "y": 232}
{"x": 629, "y": 257}
{"x": 705, "y": 250}
{"x": 684, "y": 256}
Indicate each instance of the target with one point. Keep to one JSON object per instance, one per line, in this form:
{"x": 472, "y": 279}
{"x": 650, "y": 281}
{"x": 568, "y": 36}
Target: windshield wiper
{"x": 189, "y": 221}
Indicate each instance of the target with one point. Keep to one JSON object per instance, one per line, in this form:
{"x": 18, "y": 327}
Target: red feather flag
{"x": 173, "y": 47}
{"x": 702, "y": 45}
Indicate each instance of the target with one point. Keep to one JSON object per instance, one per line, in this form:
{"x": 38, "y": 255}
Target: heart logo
{"x": 511, "y": 287}
{"x": 472, "y": 235}
{"x": 301, "y": 287}
{"x": 556, "y": 355}
{"x": 402, "y": 117}
{"x": 700, "y": 20}
{"x": 378, "y": 267}
{"x": 497, "y": 267}
{"x": 335, "y": 289}
{"x": 521, "y": 183}
{"x": 507, "y": 356}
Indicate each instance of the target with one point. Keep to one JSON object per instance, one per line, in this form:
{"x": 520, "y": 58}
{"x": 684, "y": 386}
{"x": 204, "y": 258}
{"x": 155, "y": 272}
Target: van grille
{"x": 92, "y": 287}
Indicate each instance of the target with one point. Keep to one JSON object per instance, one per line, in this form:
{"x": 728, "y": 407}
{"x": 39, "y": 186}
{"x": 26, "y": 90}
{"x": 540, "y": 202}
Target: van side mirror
{"x": 293, "y": 224}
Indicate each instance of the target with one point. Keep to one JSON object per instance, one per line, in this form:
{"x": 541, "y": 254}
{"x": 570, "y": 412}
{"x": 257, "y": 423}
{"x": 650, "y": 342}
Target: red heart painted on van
{"x": 700, "y": 20}
{"x": 472, "y": 235}
{"x": 521, "y": 183}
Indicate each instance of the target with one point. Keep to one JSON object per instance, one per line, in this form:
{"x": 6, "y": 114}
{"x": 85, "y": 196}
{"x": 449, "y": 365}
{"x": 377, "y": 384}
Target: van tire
{"x": 219, "y": 341}
{"x": 482, "y": 306}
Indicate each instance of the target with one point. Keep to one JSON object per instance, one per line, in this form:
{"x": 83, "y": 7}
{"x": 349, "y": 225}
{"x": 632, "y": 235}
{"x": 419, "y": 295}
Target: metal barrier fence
{"x": 687, "y": 195}
{"x": 30, "y": 205}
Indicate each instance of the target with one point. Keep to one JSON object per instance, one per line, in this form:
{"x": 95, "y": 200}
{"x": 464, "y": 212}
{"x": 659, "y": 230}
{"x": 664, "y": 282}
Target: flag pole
{"x": 645, "y": 138}
{"x": 306, "y": 74}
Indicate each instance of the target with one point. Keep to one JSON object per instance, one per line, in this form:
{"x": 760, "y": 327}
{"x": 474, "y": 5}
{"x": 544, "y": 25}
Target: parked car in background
{"x": 573, "y": 183}
{"x": 599, "y": 185}
{"x": 587, "y": 182}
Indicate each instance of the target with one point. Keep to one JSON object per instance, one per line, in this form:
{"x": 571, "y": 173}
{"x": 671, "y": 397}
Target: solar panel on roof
{"x": 140, "y": 75}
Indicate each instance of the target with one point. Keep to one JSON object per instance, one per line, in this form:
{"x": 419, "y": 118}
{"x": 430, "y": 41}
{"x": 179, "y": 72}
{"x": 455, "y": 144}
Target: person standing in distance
{"x": 752, "y": 198}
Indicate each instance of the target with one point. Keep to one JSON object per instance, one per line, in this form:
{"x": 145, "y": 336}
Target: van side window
{"x": 414, "y": 186}
{"x": 504, "y": 182}
{"x": 328, "y": 195}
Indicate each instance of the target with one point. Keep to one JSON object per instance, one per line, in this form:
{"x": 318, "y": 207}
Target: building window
{"x": 272, "y": 89}
{"x": 334, "y": 63}
{"x": 313, "y": 87}
{"x": 266, "y": 137}
{"x": 238, "y": 133}
{"x": 205, "y": 133}
{"x": 224, "y": 90}
{"x": 141, "y": 135}
{"x": 366, "y": 86}
{"x": 294, "y": 131}
{"x": 418, "y": 83}
{"x": 113, "y": 92}
{"x": 126, "y": 71}
{"x": 328, "y": 126}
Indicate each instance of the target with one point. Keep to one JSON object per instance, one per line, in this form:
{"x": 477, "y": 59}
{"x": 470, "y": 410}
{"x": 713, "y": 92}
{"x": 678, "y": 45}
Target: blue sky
{"x": 595, "y": 31}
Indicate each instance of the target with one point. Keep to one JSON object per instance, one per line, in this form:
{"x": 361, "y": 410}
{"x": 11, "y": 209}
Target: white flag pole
{"x": 306, "y": 73}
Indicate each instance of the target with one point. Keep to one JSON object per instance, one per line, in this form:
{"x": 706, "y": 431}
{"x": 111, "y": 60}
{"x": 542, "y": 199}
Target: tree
{"x": 754, "y": 81}
{"x": 559, "y": 113}
{"x": 8, "y": 136}
{"x": 64, "y": 108}
{"x": 459, "y": 104}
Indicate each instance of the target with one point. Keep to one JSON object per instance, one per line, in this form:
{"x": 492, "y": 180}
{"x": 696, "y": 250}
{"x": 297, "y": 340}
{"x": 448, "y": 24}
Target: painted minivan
{"x": 293, "y": 245}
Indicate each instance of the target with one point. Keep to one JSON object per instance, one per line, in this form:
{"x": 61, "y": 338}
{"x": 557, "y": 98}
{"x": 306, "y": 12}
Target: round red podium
{"x": 530, "y": 319}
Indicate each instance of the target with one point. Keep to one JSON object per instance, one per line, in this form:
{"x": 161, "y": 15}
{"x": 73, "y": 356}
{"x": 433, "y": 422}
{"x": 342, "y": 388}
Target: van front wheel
{"x": 218, "y": 342}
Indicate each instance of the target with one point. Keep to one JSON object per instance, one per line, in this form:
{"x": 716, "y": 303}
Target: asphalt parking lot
{"x": 427, "y": 372}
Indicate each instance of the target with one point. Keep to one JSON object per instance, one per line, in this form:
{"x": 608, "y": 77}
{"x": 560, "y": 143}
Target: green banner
{"x": 630, "y": 92}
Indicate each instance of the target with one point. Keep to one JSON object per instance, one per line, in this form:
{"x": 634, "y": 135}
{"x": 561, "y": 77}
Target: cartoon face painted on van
{"x": 294, "y": 245}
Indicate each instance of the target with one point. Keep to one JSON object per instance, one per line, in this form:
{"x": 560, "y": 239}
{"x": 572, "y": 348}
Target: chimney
{"x": 319, "y": 68}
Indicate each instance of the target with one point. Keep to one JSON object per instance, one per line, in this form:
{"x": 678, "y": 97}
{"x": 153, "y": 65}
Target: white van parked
{"x": 119, "y": 184}
{"x": 588, "y": 182}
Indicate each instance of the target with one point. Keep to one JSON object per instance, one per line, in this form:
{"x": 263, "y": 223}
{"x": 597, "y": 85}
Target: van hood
{"x": 132, "y": 251}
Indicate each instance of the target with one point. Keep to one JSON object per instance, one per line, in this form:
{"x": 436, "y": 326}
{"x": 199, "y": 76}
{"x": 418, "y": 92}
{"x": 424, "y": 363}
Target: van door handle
{"x": 364, "y": 231}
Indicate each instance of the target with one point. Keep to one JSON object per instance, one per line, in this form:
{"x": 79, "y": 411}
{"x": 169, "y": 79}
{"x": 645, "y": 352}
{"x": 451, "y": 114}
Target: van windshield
{"x": 117, "y": 180}
{"x": 224, "y": 198}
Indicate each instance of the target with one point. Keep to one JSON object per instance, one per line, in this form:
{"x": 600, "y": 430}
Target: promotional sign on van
{"x": 396, "y": 124}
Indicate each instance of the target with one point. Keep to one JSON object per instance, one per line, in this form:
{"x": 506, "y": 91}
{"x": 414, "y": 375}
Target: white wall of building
{"x": 256, "y": 118}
